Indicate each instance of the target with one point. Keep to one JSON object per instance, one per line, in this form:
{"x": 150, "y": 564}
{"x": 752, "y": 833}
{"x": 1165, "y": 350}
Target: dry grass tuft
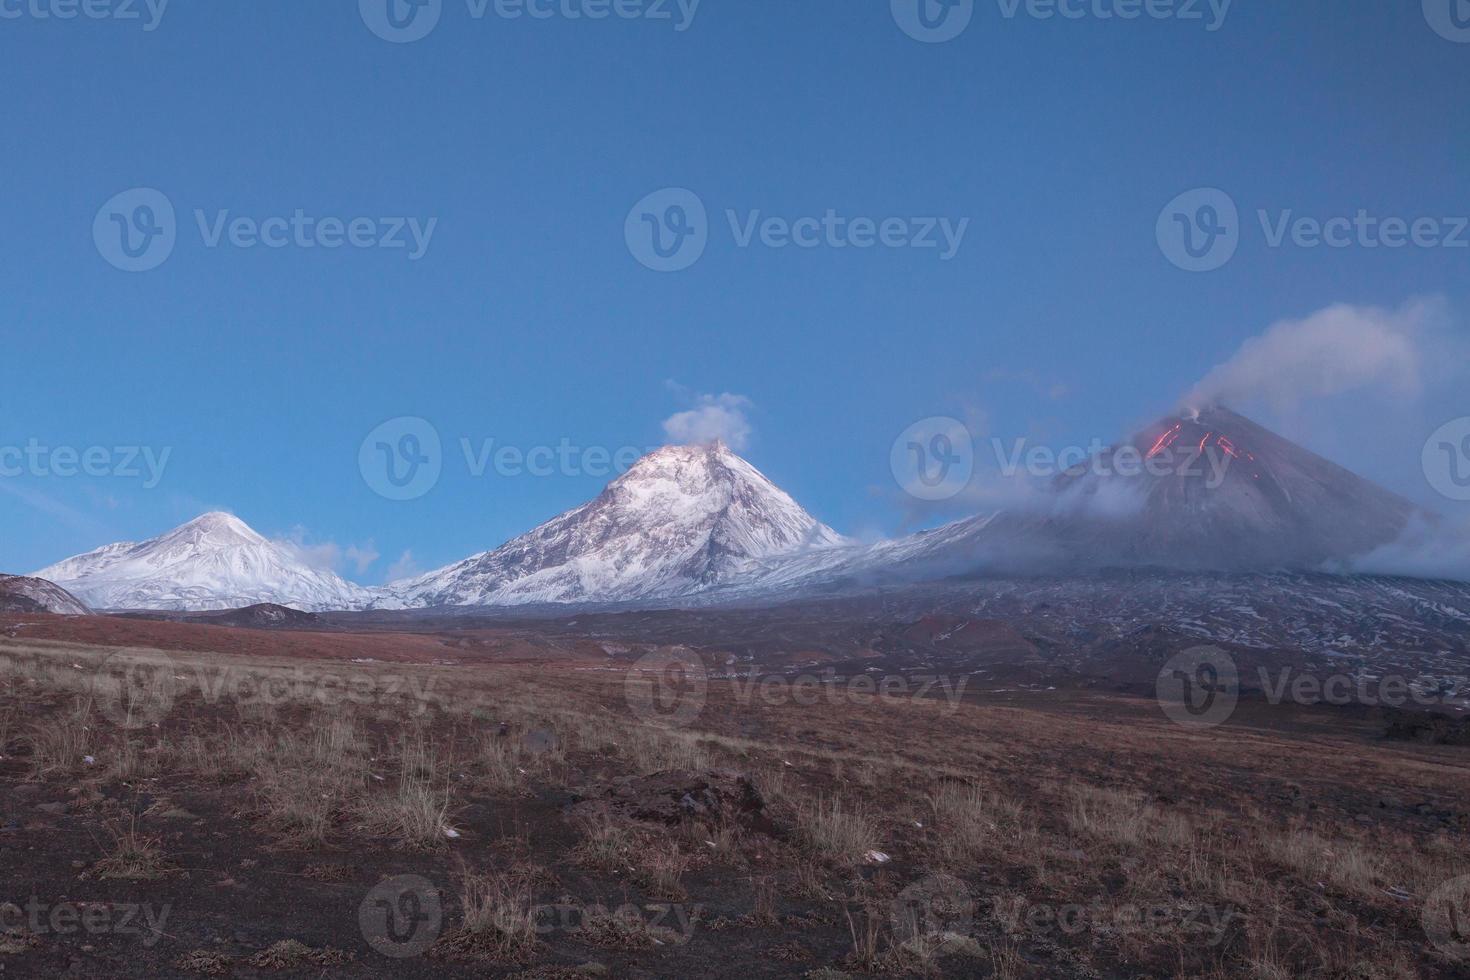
{"x": 837, "y": 832}
{"x": 134, "y": 857}
{"x": 499, "y": 922}
{"x": 59, "y": 744}
{"x": 289, "y": 954}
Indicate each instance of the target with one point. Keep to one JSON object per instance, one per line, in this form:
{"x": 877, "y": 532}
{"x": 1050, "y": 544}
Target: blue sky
{"x": 529, "y": 320}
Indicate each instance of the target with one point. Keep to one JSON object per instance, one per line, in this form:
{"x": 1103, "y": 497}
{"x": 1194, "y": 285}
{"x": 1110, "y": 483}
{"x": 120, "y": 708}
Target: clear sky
{"x": 529, "y": 319}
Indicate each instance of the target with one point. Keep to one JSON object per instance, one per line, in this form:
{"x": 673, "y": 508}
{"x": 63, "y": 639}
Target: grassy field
{"x": 187, "y": 814}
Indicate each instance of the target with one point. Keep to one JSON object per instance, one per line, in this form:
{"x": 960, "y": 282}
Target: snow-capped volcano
{"x": 682, "y": 519}
{"x": 213, "y": 562}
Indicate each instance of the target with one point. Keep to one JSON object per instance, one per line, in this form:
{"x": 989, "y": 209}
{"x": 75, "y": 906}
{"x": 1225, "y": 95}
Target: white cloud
{"x": 712, "y": 417}
{"x": 362, "y": 556}
{"x": 1428, "y": 548}
{"x": 328, "y": 555}
{"x": 1051, "y": 389}
{"x": 404, "y": 567}
{"x": 1334, "y": 351}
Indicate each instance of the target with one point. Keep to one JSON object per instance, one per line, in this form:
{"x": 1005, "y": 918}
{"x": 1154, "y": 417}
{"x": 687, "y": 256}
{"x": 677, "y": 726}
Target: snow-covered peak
{"x": 215, "y": 561}
{"x": 679, "y": 520}
{"x": 211, "y": 532}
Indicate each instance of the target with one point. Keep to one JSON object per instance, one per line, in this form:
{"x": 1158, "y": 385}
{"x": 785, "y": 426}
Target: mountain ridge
{"x": 699, "y": 523}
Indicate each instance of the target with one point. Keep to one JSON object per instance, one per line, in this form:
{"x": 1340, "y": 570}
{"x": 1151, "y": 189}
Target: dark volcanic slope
{"x": 1211, "y": 491}
{"x": 20, "y": 594}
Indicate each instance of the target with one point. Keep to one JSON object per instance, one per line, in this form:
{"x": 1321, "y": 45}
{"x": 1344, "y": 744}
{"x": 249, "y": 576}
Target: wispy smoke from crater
{"x": 1334, "y": 351}
{"x": 712, "y": 417}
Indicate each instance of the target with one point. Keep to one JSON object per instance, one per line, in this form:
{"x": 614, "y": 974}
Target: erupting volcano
{"x": 1214, "y": 490}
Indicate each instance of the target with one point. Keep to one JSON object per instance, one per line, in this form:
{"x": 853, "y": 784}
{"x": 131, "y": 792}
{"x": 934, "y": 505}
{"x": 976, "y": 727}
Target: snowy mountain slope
{"x": 21, "y": 594}
{"x": 681, "y": 519}
{"x": 213, "y": 562}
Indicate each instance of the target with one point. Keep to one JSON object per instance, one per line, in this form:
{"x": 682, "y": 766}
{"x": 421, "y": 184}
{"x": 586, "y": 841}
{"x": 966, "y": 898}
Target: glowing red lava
{"x": 1165, "y": 441}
